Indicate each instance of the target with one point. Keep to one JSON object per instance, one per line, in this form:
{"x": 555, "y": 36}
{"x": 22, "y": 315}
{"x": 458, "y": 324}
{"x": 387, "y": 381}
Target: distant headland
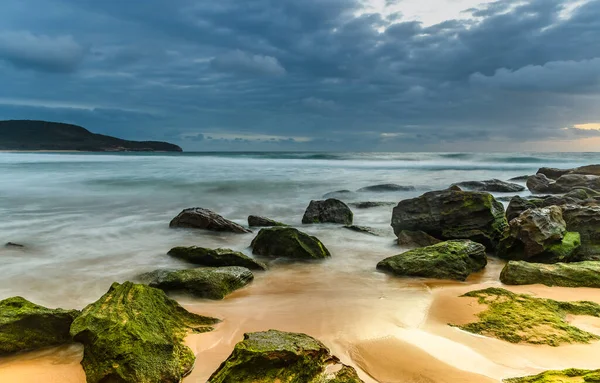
{"x": 32, "y": 135}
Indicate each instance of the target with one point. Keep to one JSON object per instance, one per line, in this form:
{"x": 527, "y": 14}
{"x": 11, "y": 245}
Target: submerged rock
{"x": 450, "y": 214}
{"x": 577, "y": 274}
{"x": 340, "y": 194}
{"x": 215, "y": 257}
{"x": 446, "y": 260}
{"x": 493, "y": 185}
{"x": 14, "y": 245}
{"x": 569, "y": 375}
{"x": 519, "y": 178}
{"x": 200, "y": 218}
{"x": 368, "y": 204}
{"x": 416, "y": 239}
{"x": 26, "y": 326}
{"x": 330, "y": 210}
{"x": 362, "y": 229}
{"x": 134, "y": 334}
{"x": 586, "y": 221}
{"x": 386, "y": 188}
{"x": 202, "y": 282}
{"x": 256, "y": 221}
{"x": 288, "y": 242}
{"x": 277, "y": 357}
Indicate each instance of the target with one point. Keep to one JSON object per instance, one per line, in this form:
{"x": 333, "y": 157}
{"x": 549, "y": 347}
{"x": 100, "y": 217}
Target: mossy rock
{"x": 519, "y": 318}
{"x": 256, "y": 221}
{"x": 26, "y": 326}
{"x": 288, "y": 242}
{"x": 215, "y": 257}
{"x": 281, "y": 357}
{"x": 446, "y": 260}
{"x": 576, "y": 274}
{"x": 571, "y": 375}
{"x": 202, "y": 282}
{"x": 135, "y": 334}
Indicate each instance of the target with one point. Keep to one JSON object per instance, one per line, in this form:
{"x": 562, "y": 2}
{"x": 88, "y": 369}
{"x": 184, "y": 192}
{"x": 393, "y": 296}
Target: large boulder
{"x": 539, "y": 235}
{"x": 518, "y": 205}
{"x": 200, "y": 218}
{"x": 446, "y": 260}
{"x": 577, "y": 274}
{"x": 493, "y": 185}
{"x": 586, "y": 221}
{"x": 416, "y": 239}
{"x": 553, "y": 173}
{"x": 288, "y": 242}
{"x": 277, "y": 357}
{"x": 26, "y": 326}
{"x": 386, "y": 188}
{"x": 451, "y": 214}
{"x": 539, "y": 183}
{"x": 135, "y": 334}
{"x": 542, "y": 184}
{"x": 202, "y": 282}
{"x": 330, "y": 210}
{"x": 256, "y": 221}
{"x": 215, "y": 257}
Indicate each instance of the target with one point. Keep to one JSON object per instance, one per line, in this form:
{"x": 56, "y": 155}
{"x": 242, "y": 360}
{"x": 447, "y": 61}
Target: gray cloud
{"x": 246, "y": 63}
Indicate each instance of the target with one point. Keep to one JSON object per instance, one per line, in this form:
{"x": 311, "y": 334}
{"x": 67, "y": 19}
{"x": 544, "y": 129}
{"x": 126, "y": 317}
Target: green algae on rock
{"x": 202, "y": 282}
{"x": 571, "y": 375}
{"x": 576, "y": 274}
{"x": 26, "y": 326}
{"x": 288, "y": 242}
{"x": 519, "y": 318}
{"x": 446, "y": 260}
{"x": 135, "y": 334}
{"x": 281, "y": 357}
{"x": 215, "y": 257}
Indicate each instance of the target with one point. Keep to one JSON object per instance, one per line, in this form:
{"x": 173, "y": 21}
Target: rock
{"x": 553, "y": 173}
{"x": 26, "y": 326}
{"x": 215, "y": 257}
{"x": 577, "y": 274}
{"x": 199, "y": 218}
{"x": 256, "y": 221}
{"x": 340, "y": 194}
{"x": 330, "y": 210}
{"x": 289, "y": 243}
{"x": 416, "y": 239}
{"x": 586, "y": 221}
{"x": 519, "y": 178}
{"x": 368, "y": 205}
{"x": 276, "y": 357}
{"x": 386, "y": 188}
{"x": 362, "y": 229}
{"x": 568, "y": 375}
{"x": 446, "y": 260}
{"x": 135, "y": 333}
{"x": 202, "y": 282}
{"x": 14, "y": 245}
{"x": 518, "y": 205}
{"x": 539, "y": 183}
{"x": 493, "y": 185}
{"x": 592, "y": 170}
{"x": 455, "y": 188}
{"x": 450, "y": 214}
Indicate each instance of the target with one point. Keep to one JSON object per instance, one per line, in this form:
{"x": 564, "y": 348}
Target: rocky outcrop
{"x": 288, "y": 242}
{"x": 256, "y": 221}
{"x": 586, "y": 221}
{"x": 26, "y": 326}
{"x": 369, "y": 205}
{"x": 518, "y": 205}
{"x": 577, "y": 274}
{"x": 553, "y": 173}
{"x": 340, "y": 194}
{"x": 200, "y": 218}
{"x": 542, "y": 184}
{"x": 276, "y": 357}
{"x": 215, "y": 257}
{"x": 446, "y": 260}
{"x": 134, "y": 333}
{"x": 386, "y": 188}
{"x": 493, "y": 185}
{"x": 539, "y": 183}
{"x": 450, "y": 214}
{"x": 202, "y": 282}
{"x": 328, "y": 211}
{"x": 416, "y": 239}
{"x": 363, "y": 229}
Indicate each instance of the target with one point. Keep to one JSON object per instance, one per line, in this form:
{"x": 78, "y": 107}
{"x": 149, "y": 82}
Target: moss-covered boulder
{"x": 282, "y": 357}
{"x": 446, "y": 260}
{"x": 134, "y": 334}
{"x": 576, "y": 274}
{"x": 519, "y": 318}
{"x": 571, "y": 375}
{"x": 418, "y": 238}
{"x": 328, "y": 211}
{"x": 26, "y": 326}
{"x": 215, "y": 257}
{"x": 256, "y": 221}
{"x": 202, "y": 282}
{"x": 288, "y": 242}
{"x": 586, "y": 221}
{"x": 452, "y": 214}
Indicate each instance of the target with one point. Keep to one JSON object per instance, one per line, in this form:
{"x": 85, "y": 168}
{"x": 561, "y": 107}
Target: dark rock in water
{"x": 520, "y": 178}
{"x": 564, "y": 184}
{"x": 199, "y": 218}
{"x": 518, "y": 205}
{"x": 539, "y": 183}
{"x": 446, "y": 260}
{"x": 450, "y": 214}
{"x": 215, "y": 257}
{"x": 26, "y": 326}
{"x": 491, "y": 186}
{"x": 256, "y": 221}
{"x": 288, "y": 242}
{"x": 455, "y": 188}
{"x": 416, "y": 239}
{"x": 386, "y": 188}
{"x": 203, "y": 282}
{"x": 14, "y": 245}
{"x": 368, "y": 205}
{"x": 340, "y": 194}
{"x": 586, "y": 221}
{"x": 135, "y": 333}
{"x": 276, "y": 357}
{"x": 362, "y": 229}
{"x": 330, "y": 210}
{"x": 553, "y": 173}
{"x": 577, "y": 274}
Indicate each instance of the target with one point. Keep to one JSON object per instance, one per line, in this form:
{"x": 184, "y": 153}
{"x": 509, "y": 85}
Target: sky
{"x": 318, "y": 75}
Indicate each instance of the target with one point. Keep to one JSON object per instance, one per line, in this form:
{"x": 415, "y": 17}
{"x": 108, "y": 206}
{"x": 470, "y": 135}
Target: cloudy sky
{"x": 357, "y": 75}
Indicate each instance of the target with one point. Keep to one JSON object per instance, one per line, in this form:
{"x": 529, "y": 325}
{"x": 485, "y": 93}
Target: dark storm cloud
{"x": 317, "y": 69}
